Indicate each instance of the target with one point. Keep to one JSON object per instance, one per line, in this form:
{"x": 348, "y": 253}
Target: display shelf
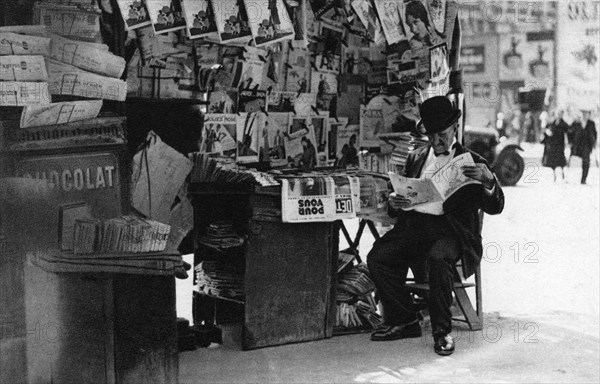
{"x": 219, "y": 297}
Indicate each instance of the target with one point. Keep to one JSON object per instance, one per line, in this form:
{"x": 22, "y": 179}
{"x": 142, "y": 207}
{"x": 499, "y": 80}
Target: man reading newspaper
{"x": 432, "y": 234}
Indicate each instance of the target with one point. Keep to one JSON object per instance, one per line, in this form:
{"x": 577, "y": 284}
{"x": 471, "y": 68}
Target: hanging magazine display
{"x": 232, "y": 21}
{"x": 200, "y": 18}
{"x": 134, "y": 14}
{"x": 269, "y": 21}
{"x": 307, "y": 199}
{"x": 166, "y": 15}
{"x": 218, "y": 134}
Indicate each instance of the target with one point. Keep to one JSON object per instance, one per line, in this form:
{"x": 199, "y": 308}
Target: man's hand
{"x": 398, "y": 201}
{"x": 481, "y": 173}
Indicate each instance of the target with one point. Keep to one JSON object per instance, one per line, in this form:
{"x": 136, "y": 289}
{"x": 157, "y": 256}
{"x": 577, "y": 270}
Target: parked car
{"x": 502, "y": 155}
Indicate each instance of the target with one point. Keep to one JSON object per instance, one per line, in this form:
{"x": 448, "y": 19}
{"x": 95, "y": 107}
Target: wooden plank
{"x": 466, "y": 307}
{"x": 287, "y": 283}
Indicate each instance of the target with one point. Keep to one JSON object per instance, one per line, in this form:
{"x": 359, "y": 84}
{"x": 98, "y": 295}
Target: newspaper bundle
{"x": 18, "y": 94}
{"x": 68, "y": 80}
{"x": 15, "y": 44}
{"x": 23, "y": 68}
{"x": 90, "y": 57}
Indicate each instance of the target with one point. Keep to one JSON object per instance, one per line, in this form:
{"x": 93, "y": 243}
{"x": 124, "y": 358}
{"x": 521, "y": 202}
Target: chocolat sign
{"x": 93, "y": 178}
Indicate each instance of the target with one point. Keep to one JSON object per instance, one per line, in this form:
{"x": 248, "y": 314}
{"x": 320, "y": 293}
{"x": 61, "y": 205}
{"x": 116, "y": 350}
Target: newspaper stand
{"x": 290, "y": 269}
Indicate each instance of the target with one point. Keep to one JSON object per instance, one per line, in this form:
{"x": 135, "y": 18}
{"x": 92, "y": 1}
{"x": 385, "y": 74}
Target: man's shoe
{"x": 443, "y": 345}
{"x": 396, "y": 332}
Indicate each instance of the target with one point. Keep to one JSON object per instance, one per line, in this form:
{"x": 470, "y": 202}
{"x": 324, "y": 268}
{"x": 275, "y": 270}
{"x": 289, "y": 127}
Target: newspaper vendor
{"x": 432, "y": 236}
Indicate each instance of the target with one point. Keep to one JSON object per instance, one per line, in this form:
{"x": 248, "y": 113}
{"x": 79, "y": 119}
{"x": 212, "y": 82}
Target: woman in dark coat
{"x": 554, "y": 145}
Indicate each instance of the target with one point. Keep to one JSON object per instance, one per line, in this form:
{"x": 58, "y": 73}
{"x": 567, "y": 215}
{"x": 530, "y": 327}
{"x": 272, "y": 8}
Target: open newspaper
{"x": 442, "y": 184}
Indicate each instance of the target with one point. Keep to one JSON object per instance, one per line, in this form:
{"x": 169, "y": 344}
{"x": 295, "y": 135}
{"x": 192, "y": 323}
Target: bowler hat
{"x": 437, "y": 114}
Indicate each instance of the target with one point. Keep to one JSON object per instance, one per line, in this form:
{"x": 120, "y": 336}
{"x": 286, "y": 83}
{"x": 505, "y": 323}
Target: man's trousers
{"x": 430, "y": 249}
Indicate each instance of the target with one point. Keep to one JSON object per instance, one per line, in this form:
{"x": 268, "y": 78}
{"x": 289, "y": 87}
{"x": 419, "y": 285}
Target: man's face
{"x": 442, "y": 141}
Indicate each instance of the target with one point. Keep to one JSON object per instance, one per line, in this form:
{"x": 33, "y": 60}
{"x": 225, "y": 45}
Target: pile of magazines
{"x": 224, "y": 170}
{"x": 125, "y": 234}
{"x": 355, "y": 304}
{"x": 221, "y": 234}
{"x": 220, "y": 279}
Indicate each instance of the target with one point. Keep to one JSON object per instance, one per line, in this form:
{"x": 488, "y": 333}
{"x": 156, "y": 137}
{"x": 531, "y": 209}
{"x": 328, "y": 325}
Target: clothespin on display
{"x": 314, "y": 109}
{"x": 269, "y": 89}
{"x": 288, "y": 65}
{"x": 387, "y": 101}
{"x": 262, "y": 58}
{"x": 264, "y": 110}
{"x": 290, "y": 45}
{"x": 312, "y": 64}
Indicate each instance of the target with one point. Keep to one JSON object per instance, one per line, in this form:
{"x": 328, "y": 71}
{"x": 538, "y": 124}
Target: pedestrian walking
{"x": 554, "y": 144}
{"x": 585, "y": 142}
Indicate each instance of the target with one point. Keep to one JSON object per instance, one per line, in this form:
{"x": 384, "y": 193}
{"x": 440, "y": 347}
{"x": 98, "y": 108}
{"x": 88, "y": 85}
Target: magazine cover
{"x": 269, "y": 21}
{"x": 368, "y": 16}
{"x": 347, "y": 146}
{"x": 247, "y": 73}
{"x": 250, "y": 100}
{"x": 329, "y": 50}
{"x": 438, "y": 63}
{"x": 166, "y": 15}
{"x": 218, "y": 134}
{"x": 304, "y": 103}
{"x": 437, "y": 12}
{"x": 346, "y": 193}
{"x": 272, "y": 139}
{"x": 134, "y": 14}
{"x": 248, "y": 127}
{"x": 368, "y": 197}
{"x": 297, "y": 11}
{"x": 320, "y": 124}
{"x": 299, "y": 143}
{"x": 200, "y": 18}
{"x": 323, "y": 82}
{"x": 335, "y": 124}
{"x": 282, "y": 101}
{"x": 223, "y": 101}
{"x": 298, "y": 71}
{"x": 273, "y": 71}
{"x": 232, "y": 21}
{"x": 389, "y": 15}
{"x": 320, "y": 7}
{"x": 371, "y": 124}
{"x": 307, "y": 199}
{"x": 403, "y": 72}
{"x": 355, "y": 60}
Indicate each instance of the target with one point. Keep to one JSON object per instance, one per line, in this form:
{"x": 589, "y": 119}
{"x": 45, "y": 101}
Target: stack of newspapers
{"x": 62, "y": 56}
{"x": 125, "y": 234}
{"x": 221, "y": 280}
{"x": 356, "y": 307}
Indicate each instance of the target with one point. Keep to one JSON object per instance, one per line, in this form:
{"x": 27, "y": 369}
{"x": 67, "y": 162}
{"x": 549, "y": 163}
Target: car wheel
{"x": 509, "y": 167}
